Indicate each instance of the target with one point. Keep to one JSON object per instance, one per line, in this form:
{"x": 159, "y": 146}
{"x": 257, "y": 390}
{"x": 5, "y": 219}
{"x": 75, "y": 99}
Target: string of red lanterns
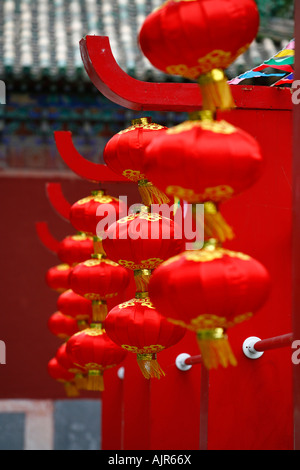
{"x": 136, "y": 325}
{"x": 203, "y": 160}
{"x": 88, "y": 283}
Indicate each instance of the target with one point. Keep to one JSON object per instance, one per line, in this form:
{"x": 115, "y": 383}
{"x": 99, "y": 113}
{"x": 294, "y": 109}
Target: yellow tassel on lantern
{"x": 149, "y": 366}
{"x": 216, "y": 93}
{"x": 98, "y": 248}
{"x": 71, "y": 390}
{"x": 176, "y": 204}
{"x": 82, "y": 324}
{"x": 80, "y": 381}
{"x": 150, "y": 194}
{"x": 215, "y": 226}
{"x": 142, "y": 278}
{"x": 95, "y": 381}
{"x": 215, "y": 348}
{"x": 99, "y": 310}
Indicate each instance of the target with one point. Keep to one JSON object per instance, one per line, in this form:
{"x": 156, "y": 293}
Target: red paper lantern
{"x": 57, "y": 277}
{"x": 75, "y": 249}
{"x": 124, "y": 152}
{"x": 95, "y": 352}
{"x": 83, "y": 214}
{"x": 99, "y": 280}
{"x": 209, "y": 291}
{"x": 198, "y": 40}
{"x": 61, "y": 375}
{"x": 62, "y": 326}
{"x": 74, "y": 305}
{"x": 64, "y": 361}
{"x": 204, "y": 161}
{"x": 139, "y": 328}
{"x": 141, "y": 242}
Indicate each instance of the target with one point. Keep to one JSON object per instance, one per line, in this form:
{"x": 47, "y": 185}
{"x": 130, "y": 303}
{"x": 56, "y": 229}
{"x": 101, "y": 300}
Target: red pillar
{"x": 296, "y": 233}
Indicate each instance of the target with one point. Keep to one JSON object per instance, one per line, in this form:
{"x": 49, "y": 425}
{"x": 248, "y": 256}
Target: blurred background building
{"x": 48, "y": 89}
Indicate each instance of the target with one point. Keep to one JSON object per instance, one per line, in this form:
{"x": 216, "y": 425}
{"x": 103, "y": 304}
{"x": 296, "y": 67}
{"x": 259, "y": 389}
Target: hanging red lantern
{"x": 123, "y": 154}
{"x": 141, "y": 242}
{"x": 99, "y": 280}
{"x": 62, "y": 326}
{"x": 74, "y": 249}
{"x": 204, "y": 161}
{"x": 209, "y": 291}
{"x": 64, "y": 361}
{"x": 95, "y": 352}
{"x": 198, "y": 40}
{"x": 61, "y": 375}
{"x": 85, "y": 214}
{"x": 57, "y": 277}
{"x": 76, "y": 306}
{"x": 139, "y": 328}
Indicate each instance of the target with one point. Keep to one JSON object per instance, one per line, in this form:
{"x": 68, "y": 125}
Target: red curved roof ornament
{"x": 86, "y": 169}
{"x": 126, "y": 91}
{"x": 46, "y": 237}
{"x": 130, "y": 93}
{"x": 58, "y": 200}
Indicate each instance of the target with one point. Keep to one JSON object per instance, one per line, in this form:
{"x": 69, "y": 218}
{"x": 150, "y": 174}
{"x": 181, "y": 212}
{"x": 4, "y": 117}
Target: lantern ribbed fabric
{"x": 57, "y": 277}
{"x": 141, "y": 242}
{"x": 74, "y": 305}
{"x": 124, "y": 152}
{"x": 62, "y": 326}
{"x": 63, "y": 376}
{"x": 95, "y": 352}
{"x": 139, "y": 328}
{"x": 209, "y": 291}
{"x": 86, "y": 213}
{"x": 63, "y": 359}
{"x": 198, "y": 40}
{"x": 75, "y": 249}
{"x": 204, "y": 161}
{"x": 99, "y": 280}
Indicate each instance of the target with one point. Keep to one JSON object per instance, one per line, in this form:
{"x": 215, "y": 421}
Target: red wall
{"x": 250, "y": 406}
{"x": 26, "y": 300}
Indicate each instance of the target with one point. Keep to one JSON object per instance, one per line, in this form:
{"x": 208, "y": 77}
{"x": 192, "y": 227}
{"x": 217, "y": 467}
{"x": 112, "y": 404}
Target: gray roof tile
{"x": 42, "y": 37}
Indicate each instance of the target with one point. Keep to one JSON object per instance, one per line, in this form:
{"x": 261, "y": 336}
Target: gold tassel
{"x": 71, "y": 390}
{"x": 216, "y": 93}
{"x": 98, "y": 247}
{"x": 149, "y": 366}
{"x": 95, "y": 382}
{"x": 80, "y": 382}
{"x": 176, "y": 204}
{"x": 99, "y": 309}
{"x": 215, "y": 348}
{"x": 82, "y": 325}
{"x": 142, "y": 278}
{"x": 215, "y": 226}
{"x": 150, "y": 194}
